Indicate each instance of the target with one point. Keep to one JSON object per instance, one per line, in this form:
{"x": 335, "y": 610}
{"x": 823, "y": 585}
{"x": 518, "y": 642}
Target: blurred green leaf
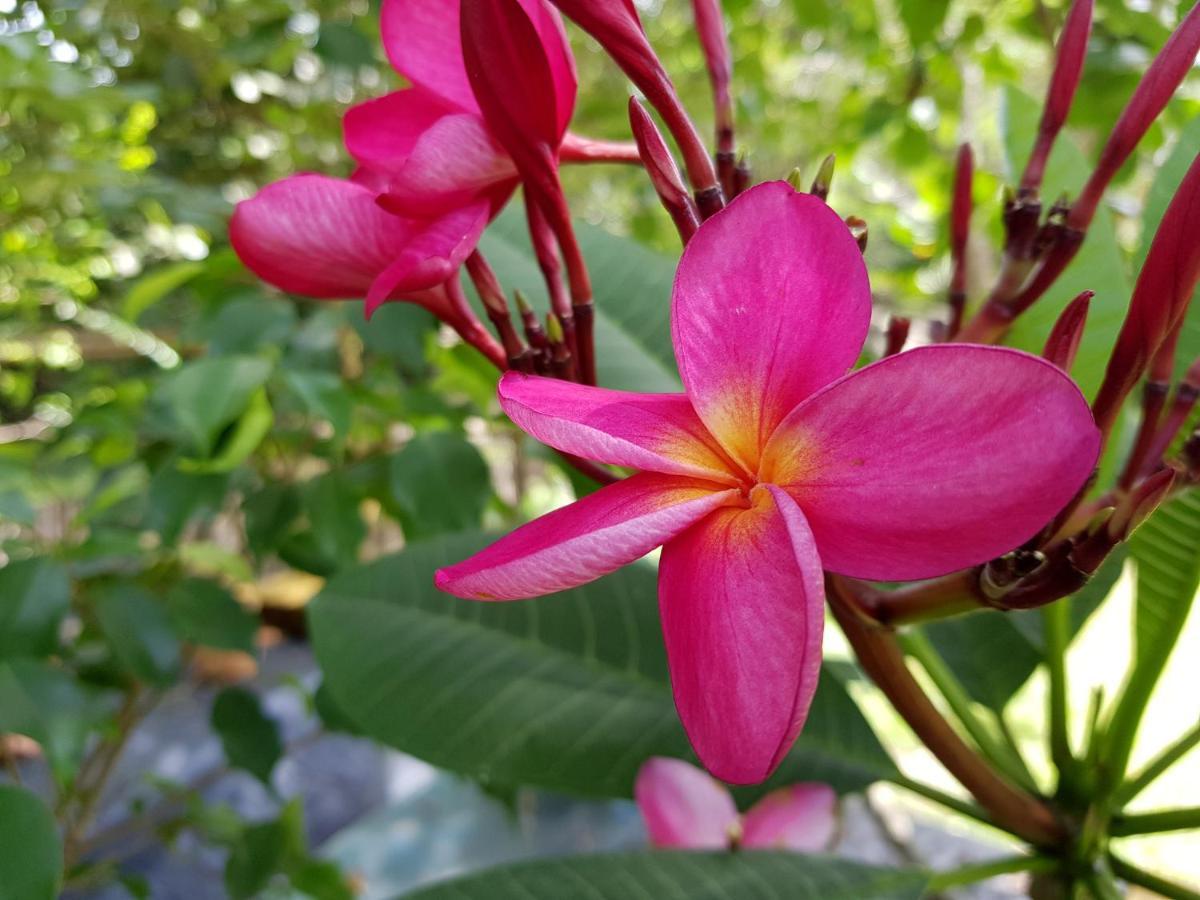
{"x": 749, "y": 875}
{"x": 252, "y": 426}
{"x": 31, "y": 866}
{"x": 207, "y": 395}
{"x": 205, "y": 613}
{"x": 344, "y": 45}
{"x": 323, "y": 395}
{"x": 137, "y": 628}
{"x": 250, "y": 323}
{"x": 441, "y": 483}
{"x": 34, "y": 596}
{"x": 922, "y": 18}
{"x": 250, "y": 738}
{"x": 154, "y": 286}
{"x": 254, "y": 859}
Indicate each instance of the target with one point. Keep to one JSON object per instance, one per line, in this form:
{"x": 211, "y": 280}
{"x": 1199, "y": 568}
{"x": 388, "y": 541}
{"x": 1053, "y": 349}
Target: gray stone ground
{"x": 395, "y": 822}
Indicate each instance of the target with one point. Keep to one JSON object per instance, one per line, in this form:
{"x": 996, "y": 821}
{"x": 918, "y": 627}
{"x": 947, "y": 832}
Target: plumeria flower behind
{"x": 687, "y": 808}
{"x": 775, "y": 464}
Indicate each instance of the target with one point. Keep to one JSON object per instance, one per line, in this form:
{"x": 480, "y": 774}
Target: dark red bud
{"x": 1063, "y": 343}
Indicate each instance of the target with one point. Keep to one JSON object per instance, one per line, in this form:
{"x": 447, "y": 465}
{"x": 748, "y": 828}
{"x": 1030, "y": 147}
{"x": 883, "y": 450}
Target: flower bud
{"x": 824, "y": 180}
{"x": 1063, "y": 343}
{"x": 664, "y": 173}
{"x": 1068, "y": 68}
{"x": 1160, "y": 298}
{"x": 1156, "y": 88}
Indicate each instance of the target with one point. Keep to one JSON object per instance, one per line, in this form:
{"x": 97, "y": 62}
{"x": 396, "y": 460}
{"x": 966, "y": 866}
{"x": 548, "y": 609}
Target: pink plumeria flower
{"x": 431, "y": 140}
{"x": 328, "y": 238}
{"x": 686, "y": 808}
{"x": 775, "y": 464}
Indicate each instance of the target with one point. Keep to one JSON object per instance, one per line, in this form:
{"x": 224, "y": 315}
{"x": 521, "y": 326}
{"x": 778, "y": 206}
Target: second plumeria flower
{"x": 775, "y": 464}
{"x": 685, "y": 807}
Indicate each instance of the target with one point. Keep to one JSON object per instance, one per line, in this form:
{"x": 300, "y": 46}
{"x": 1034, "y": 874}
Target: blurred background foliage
{"x": 174, "y": 434}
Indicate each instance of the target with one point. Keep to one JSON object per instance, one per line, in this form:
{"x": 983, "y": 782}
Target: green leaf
{"x": 323, "y": 395}
{"x": 154, "y": 286}
{"x": 254, "y": 859}
{"x": 137, "y": 628}
{"x": 922, "y": 18}
{"x": 994, "y": 653}
{"x": 175, "y": 497}
{"x": 1167, "y": 552}
{"x": 270, "y": 512}
{"x": 334, "y": 525}
{"x": 1165, "y": 184}
{"x": 251, "y": 739}
{"x": 568, "y": 692}
{"x": 344, "y": 45}
{"x": 441, "y": 483}
{"x": 205, "y": 613}
{"x": 205, "y": 396}
{"x": 240, "y": 441}
{"x": 249, "y": 323}
{"x": 31, "y": 865}
{"x": 53, "y": 708}
{"x": 34, "y": 596}
{"x": 633, "y": 299}
{"x": 1099, "y": 266}
{"x": 749, "y": 875}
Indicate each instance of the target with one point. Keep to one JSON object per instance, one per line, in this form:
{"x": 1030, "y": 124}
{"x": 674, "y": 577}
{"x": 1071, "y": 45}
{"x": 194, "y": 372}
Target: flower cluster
{"x": 779, "y": 469}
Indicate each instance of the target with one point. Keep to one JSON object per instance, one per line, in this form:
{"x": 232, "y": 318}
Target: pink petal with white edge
{"x": 455, "y": 162}
{"x": 771, "y": 303}
{"x": 433, "y": 253}
{"x": 423, "y": 44}
{"x": 683, "y": 806}
{"x": 935, "y": 459}
{"x": 382, "y": 133}
{"x": 318, "y": 236}
{"x": 571, "y": 546}
{"x": 652, "y": 432}
{"x": 741, "y": 596}
{"x": 802, "y": 817}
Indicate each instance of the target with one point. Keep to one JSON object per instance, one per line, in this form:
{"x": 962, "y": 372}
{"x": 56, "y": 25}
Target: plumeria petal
{"x": 742, "y": 602}
{"x": 435, "y": 250}
{"x": 683, "y": 806}
{"x": 455, "y": 161}
{"x": 578, "y": 543}
{"x": 653, "y": 432}
{"x": 771, "y": 303}
{"x": 423, "y": 44}
{"x": 382, "y": 133}
{"x": 802, "y": 817}
{"x": 935, "y": 459}
{"x": 318, "y": 236}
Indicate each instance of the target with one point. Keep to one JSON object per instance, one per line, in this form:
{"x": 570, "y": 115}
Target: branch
{"x": 880, "y": 657}
{"x": 1157, "y": 822}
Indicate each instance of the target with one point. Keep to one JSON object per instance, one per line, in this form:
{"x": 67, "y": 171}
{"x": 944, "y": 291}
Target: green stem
{"x": 940, "y": 881}
{"x": 1155, "y": 822}
{"x": 962, "y": 807}
{"x": 917, "y": 646}
{"x": 1101, "y": 886}
{"x": 1056, "y": 621}
{"x": 1151, "y": 882}
{"x": 1167, "y": 758}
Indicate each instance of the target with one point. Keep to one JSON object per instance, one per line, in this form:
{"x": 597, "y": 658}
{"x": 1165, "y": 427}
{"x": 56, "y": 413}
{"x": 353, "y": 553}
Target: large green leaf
{"x": 568, "y": 692}
{"x": 1099, "y": 266}
{"x": 751, "y": 875}
{"x": 1167, "y": 552}
{"x": 993, "y": 653}
{"x": 632, "y": 287}
{"x": 441, "y": 483}
{"x": 34, "y": 596}
{"x": 1166, "y": 182}
{"x": 31, "y": 864}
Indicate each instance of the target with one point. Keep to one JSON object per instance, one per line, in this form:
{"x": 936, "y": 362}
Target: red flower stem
{"x": 1154, "y": 398}
{"x": 545, "y": 248}
{"x": 880, "y": 656}
{"x": 492, "y": 295}
{"x": 742, "y": 176}
{"x": 897, "y": 335}
{"x": 534, "y": 334}
{"x": 577, "y": 149}
{"x": 469, "y": 328}
{"x": 960, "y": 228}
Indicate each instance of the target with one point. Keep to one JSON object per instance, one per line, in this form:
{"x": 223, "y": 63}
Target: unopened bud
{"x": 664, "y": 173}
{"x": 1138, "y": 505}
{"x": 859, "y": 231}
{"x": 897, "y": 335}
{"x": 1063, "y": 343}
{"x": 796, "y": 179}
{"x": 554, "y": 329}
{"x": 824, "y": 180}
